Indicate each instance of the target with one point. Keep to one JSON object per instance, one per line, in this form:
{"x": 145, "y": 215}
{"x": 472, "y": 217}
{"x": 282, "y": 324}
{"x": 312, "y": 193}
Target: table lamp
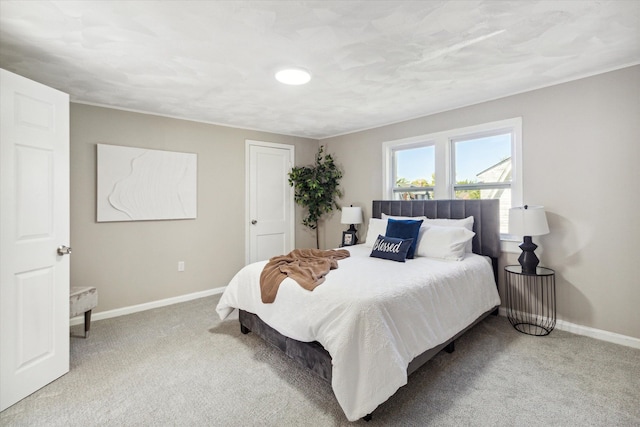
{"x": 352, "y": 215}
{"x": 528, "y": 221}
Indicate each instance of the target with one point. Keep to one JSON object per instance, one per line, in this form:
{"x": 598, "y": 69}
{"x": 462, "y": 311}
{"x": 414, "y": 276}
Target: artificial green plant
{"x": 316, "y": 189}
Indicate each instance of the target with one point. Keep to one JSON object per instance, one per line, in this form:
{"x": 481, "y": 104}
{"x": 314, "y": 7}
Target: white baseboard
{"x": 598, "y": 334}
{"x": 79, "y": 320}
{"x": 586, "y": 331}
{"x": 560, "y": 324}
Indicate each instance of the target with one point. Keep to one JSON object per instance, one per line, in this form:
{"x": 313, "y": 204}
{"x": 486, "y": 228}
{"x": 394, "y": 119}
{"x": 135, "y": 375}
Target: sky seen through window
{"x": 472, "y": 157}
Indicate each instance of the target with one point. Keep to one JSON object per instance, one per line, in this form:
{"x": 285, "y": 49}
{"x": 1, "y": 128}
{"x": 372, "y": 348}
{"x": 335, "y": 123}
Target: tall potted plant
{"x": 316, "y": 188}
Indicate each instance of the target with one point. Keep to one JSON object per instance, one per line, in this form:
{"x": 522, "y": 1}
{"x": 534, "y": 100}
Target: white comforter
{"x": 373, "y": 316}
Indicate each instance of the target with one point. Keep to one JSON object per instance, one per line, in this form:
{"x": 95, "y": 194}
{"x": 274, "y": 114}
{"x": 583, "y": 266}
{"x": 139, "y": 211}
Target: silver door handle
{"x": 64, "y": 250}
{"x": 254, "y": 222}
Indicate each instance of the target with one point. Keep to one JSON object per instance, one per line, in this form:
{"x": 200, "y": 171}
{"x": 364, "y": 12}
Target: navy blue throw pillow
{"x": 405, "y": 229}
{"x": 391, "y": 248}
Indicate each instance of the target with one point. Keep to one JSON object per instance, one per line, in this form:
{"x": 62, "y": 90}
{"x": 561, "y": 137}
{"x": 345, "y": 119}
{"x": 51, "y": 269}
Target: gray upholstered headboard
{"x": 486, "y": 220}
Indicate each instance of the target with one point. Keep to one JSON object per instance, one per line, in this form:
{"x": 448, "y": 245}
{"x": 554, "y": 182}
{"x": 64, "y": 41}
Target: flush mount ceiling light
{"x": 293, "y": 76}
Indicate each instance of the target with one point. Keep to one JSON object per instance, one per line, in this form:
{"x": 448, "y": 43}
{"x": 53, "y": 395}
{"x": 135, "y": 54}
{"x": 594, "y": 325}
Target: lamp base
{"x": 528, "y": 259}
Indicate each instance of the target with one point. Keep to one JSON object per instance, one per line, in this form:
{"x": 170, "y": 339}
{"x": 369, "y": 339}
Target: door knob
{"x": 64, "y": 250}
{"x": 254, "y": 222}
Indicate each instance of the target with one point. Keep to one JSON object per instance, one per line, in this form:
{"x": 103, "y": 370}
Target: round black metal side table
{"x": 531, "y": 300}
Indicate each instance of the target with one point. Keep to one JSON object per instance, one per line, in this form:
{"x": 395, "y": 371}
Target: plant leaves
{"x": 316, "y": 187}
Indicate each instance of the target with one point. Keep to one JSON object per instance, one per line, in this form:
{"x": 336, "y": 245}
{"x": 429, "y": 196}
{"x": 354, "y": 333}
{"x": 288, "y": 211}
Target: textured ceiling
{"x": 373, "y": 63}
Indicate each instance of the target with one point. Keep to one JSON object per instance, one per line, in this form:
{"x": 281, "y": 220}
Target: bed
{"x": 373, "y": 322}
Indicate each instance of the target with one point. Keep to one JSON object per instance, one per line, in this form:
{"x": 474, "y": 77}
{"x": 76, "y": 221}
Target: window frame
{"x": 444, "y": 158}
{"x": 393, "y": 162}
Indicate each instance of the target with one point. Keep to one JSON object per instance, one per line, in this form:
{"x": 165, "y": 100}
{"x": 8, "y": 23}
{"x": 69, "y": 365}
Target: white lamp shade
{"x": 351, "y": 215}
{"x": 528, "y": 221}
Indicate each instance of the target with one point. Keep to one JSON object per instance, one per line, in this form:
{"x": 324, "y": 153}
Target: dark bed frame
{"x": 486, "y": 242}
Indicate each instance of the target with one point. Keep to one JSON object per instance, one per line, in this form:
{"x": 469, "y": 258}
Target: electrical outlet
{"x": 180, "y": 265}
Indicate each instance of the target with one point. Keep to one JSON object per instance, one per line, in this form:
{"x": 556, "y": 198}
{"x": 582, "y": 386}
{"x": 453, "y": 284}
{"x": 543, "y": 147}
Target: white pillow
{"x": 385, "y": 216}
{"x": 376, "y": 227}
{"x": 444, "y": 222}
{"x": 443, "y": 242}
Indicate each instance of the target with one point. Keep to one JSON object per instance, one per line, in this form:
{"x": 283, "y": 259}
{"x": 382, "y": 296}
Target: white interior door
{"x": 270, "y": 206}
{"x": 34, "y": 221}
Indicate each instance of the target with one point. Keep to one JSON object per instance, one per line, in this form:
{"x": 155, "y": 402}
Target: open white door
{"x": 34, "y": 222}
{"x": 270, "y": 206}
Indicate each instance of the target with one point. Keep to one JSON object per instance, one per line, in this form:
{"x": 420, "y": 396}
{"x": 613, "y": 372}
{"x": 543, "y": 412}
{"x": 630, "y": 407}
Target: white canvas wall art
{"x": 137, "y": 184}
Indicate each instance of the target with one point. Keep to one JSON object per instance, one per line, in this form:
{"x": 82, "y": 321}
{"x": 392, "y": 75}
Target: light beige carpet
{"x": 181, "y": 366}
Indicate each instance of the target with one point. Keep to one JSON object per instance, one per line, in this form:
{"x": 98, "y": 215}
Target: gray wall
{"x": 581, "y": 144}
{"x": 136, "y": 262}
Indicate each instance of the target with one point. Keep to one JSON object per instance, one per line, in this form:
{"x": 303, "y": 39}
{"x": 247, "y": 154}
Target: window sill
{"x": 510, "y": 245}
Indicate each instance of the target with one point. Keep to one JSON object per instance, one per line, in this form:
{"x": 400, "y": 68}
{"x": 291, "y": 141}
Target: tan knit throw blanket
{"x": 308, "y": 267}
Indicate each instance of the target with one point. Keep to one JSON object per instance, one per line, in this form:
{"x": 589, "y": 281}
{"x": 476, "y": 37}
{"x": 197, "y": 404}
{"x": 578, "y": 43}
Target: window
{"x": 413, "y": 172}
{"x": 482, "y": 170}
{"x": 479, "y": 162}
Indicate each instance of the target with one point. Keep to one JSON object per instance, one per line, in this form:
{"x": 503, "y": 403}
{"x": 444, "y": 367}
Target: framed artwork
{"x": 349, "y": 238}
{"x": 137, "y": 184}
